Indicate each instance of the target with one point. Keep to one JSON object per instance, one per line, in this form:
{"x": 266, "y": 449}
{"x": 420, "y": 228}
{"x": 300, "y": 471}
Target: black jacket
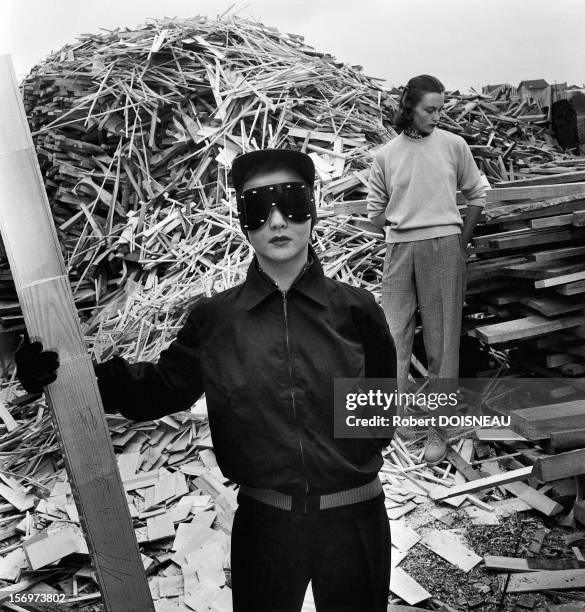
{"x": 266, "y": 361}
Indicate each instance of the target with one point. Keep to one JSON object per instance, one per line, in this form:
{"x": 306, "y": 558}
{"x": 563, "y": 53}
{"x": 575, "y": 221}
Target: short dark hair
{"x": 412, "y": 94}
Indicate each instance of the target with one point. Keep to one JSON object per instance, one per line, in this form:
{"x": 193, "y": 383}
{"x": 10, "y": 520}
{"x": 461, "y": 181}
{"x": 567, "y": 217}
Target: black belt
{"x": 308, "y": 501}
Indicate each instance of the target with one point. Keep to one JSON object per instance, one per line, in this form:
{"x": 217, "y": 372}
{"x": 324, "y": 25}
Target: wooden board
{"x": 405, "y": 587}
{"x": 444, "y": 544}
{"x": 556, "y": 221}
{"x": 494, "y": 197}
{"x": 568, "y": 439}
{"x": 554, "y": 305}
{"x": 528, "y": 327}
{"x": 45, "y": 296}
{"x": 554, "y": 254}
{"x": 482, "y": 483}
{"x": 559, "y": 280}
{"x": 563, "y": 465}
{"x": 537, "y": 422}
{"x": 542, "y": 270}
{"x": 571, "y": 288}
{"x": 512, "y": 564}
{"x": 550, "y": 179}
{"x": 547, "y": 581}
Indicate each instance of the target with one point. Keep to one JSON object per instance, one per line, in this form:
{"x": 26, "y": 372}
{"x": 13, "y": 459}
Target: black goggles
{"x": 294, "y": 200}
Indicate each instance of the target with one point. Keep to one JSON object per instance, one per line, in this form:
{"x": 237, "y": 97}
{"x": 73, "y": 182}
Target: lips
{"x": 280, "y": 240}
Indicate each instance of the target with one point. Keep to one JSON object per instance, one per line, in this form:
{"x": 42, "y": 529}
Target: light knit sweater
{"x": 414, "y": 181}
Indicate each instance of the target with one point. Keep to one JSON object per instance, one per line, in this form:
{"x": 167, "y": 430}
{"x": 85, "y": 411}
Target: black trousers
{"x": 344, "y": 551}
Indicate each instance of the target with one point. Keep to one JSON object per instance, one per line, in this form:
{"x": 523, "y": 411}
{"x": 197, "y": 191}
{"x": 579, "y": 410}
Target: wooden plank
{"x": 554, "y": 179}
{"x": 45, "y": 296}
{"x": 483, "y": 483}
{"x": 512, "y": 564}
{"x": 403, "y": 536}
{"x": 502, "y": 435}
{"x": 405, "y": 587}
{"x": 444, "y": 544}
{"x": 553, "y": 254}
{"x": 559, "y": 280}
{"x": 547, "y": 581}
{"x": 563, "y": 465}
{"x": 159, "y": 528}
{"x": 494, "y": 197}
{"x": 522, "y": 212}
{"x": 553, "y": 305}
{"x": 534, "y": 237}
{"x": 527, "y": 327}
{"x": 52, "y": 545}
{"x": 539, "y": 270}
{"x": 537, "y": 422}
{"x": 556, "y": 221}
{"x": 567, "y": 439}
{"x": 571, "y": 288}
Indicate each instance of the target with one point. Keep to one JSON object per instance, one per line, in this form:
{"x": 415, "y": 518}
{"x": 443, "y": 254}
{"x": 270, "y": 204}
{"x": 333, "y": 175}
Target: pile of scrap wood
{"x": 446, "y": 520}
{"x": 136, "y": 130}
{"x": 181, "y": 506}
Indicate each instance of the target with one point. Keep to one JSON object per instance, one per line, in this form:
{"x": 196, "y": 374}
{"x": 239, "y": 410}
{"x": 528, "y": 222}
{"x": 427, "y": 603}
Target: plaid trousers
{"x": 431, "y": 274}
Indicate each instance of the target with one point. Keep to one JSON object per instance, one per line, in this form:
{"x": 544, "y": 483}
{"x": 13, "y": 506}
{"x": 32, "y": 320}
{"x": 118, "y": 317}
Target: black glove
{"x": 35, "y": 368}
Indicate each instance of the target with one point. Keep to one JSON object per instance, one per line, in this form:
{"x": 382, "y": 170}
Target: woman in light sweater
{"x": 413, "y": 184}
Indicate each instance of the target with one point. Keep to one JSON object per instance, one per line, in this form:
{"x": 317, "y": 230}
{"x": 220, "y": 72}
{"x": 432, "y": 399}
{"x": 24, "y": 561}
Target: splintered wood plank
{"x": 535, "y": 499}
{"x": 537, "y": 422}
{"x": 483, "y": 483}
{"x": 406, "y": 587}
{"x": 563, "y": 465}
{"x": 50, "y": 546}
{"x": 512, "y": 564}
{"x": 18, "y": 499}
{"x": 547, "y": 581}
{"x": 447, "y": 546}
{"x": 50, "y": 315}
{"x": 527, "y": 327}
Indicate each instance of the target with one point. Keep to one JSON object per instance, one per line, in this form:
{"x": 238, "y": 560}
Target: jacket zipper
{"x": 292, "y": 392}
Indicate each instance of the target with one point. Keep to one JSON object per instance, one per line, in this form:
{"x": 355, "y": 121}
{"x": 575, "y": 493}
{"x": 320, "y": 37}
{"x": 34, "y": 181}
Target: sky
{"x": 465, "y": 43}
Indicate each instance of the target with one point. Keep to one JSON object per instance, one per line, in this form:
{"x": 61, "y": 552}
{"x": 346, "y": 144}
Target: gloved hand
{"x": 35, "y": 368}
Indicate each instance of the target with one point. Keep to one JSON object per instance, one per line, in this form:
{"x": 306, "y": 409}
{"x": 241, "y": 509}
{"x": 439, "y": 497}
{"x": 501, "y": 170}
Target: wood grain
{"x": 39, "y": 274}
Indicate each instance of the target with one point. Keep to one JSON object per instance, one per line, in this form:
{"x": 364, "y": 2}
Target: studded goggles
{"x": 294, "y": 200}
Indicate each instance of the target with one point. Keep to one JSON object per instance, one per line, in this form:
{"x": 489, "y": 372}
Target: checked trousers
{"x": 429, "y": 274}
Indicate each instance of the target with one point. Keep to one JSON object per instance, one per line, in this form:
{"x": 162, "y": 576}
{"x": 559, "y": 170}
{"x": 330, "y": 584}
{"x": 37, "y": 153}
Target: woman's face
{"x": 425, "y": 115}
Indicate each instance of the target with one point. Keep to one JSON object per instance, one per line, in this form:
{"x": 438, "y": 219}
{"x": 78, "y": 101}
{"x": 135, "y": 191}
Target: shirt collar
{"x": 311, "y": 282}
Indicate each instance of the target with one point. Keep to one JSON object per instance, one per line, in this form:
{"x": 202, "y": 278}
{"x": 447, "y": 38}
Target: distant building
{"x": 536, "y": 91}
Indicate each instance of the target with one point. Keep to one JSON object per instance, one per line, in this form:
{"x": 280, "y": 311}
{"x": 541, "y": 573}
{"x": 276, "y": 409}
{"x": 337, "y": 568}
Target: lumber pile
{"x": 180, "y": 503}
{"x": 527, "y": 277}
{"x": 136, "y": 130}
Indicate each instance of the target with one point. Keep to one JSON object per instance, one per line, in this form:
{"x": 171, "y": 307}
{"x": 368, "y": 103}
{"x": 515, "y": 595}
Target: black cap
{"x": 300, "y": 162}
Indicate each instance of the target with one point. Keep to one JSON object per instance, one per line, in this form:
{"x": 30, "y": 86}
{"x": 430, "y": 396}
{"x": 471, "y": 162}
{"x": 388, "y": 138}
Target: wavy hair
{"x": 412, "y": 94}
